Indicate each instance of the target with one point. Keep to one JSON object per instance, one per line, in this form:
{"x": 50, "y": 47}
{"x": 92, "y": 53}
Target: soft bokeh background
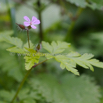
{"x": 61, "y": 20}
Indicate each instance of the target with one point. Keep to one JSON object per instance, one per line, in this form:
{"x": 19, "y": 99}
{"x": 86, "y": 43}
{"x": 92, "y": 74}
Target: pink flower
{"x": 31, "y": 23}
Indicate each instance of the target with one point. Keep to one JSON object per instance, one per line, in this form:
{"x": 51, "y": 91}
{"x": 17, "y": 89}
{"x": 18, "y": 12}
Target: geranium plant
{"x": 56, "y": 50}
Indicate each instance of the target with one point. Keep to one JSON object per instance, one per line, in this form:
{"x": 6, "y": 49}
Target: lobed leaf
{"x": 66, "y": 63}
{"x": 16, "y": 50}
{"x": 30, "y": 61}
{"x": 86, "y": 61}
{"x": 12, "y": 40}
{"x": 65, "y": 89}
{"x": 47, "y": 46}
{"x": 55, "y": 47}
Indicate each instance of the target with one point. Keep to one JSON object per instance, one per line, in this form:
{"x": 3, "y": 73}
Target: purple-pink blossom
{"x": 31, "y": 23}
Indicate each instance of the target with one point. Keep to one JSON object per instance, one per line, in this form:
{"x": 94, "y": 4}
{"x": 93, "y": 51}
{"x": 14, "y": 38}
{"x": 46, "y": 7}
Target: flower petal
{"x": 34, "y": 18}
{"x": 34, "y": 27}
{"x": 26, "y": 23}
{"x": 26, "y": 18}
{"x": 36, "y": 22}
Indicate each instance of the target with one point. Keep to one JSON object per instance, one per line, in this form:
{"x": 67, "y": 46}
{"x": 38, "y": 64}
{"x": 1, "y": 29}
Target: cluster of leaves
{"x": 46, "y": 88}
{"x": 56, "y": 50}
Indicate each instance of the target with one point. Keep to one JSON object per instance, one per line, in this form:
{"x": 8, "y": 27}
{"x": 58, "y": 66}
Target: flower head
{"x": 31, "y": 23}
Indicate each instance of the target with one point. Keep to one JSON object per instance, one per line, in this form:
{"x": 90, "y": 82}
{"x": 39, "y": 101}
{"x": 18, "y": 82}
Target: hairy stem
{"x": 40, "y": 18}
{"x": 28, "y": 38}
{"x": 23, "y": 81}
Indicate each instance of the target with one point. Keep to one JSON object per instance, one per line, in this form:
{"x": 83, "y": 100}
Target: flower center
{"x": 31, "y": 23}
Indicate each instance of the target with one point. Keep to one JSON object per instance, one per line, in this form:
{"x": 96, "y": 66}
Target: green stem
{"x": 28, "y": 38}
{"x": 69, "y": 36}
{"x": 23, "y": 81}
{"x": 40, "y": 18}
{"x": 21, "y": 84}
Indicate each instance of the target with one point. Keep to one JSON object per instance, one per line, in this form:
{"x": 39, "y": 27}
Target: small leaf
{"x": 31, "y": 61}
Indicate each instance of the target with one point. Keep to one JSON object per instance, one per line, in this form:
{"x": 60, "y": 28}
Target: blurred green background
{"x": 72, "y": 21}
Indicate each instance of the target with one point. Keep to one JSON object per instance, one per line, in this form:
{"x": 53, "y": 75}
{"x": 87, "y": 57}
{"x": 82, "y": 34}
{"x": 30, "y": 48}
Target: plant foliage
{"x": 56, "y": 51}
{"x": 68, "y": 89}
{"x": 46, "y": 88}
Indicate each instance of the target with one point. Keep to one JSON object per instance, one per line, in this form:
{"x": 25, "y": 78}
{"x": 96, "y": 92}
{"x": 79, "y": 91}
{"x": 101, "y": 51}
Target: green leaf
{"x": 23, "y": 94}
{"x": 70, "y": 60}
{"x": 48, "y": 83}
{"x": 6, "y": 33}
{"x": 65, "y": 89}
{"x": 81, "y": 89}
{"x": 12, "y": 40}
{"x": 14, "y": 66}
{"x": 96, "y": 63}
{"x": 86, "y": 61}
{"x": 47, "y": 46}
{"x": 6, "y": 95}
{"x": 55, "y": 47}
{"x": 65, "y": 63}
{"x": 31, "y": 61}
{"x": 16, "y": 50}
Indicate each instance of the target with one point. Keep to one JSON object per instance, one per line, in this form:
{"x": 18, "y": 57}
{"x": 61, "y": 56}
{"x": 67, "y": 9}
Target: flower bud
{"x": 38, "y": 47}
{"x": 21, "y": 26}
